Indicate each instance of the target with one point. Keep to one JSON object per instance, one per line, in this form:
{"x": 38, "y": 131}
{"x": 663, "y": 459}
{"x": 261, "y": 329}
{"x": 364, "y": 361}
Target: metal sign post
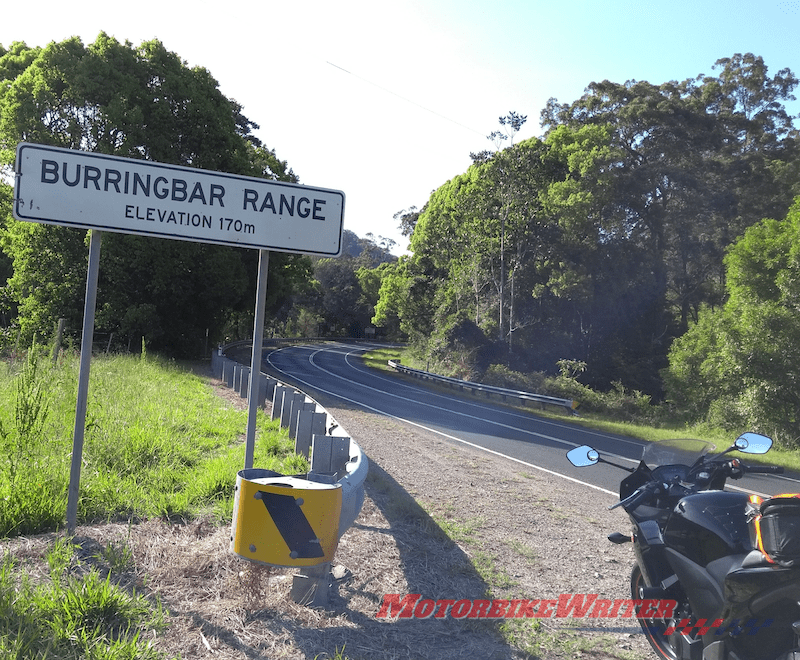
{"x": 255, "y": 359}
{"x": 83, "y": 379}
{"x": 100, "y": 192}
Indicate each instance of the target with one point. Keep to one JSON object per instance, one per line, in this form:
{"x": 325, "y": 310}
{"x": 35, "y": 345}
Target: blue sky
{"x": 385, "y": 100}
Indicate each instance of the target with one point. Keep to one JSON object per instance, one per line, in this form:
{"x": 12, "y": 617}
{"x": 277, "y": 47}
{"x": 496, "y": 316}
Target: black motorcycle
{"x": 729, "y": 562}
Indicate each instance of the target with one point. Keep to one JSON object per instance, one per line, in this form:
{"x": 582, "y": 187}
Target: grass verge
{"x": 158, "y": 443}
{"x": 77, "y": 610}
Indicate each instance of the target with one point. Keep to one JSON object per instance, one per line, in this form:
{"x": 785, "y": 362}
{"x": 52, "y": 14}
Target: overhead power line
{"x": 407, "y": 100}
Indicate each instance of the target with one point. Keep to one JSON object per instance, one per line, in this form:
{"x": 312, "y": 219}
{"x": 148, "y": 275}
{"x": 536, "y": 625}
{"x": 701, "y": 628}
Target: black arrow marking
{"x": 292, "y": 525}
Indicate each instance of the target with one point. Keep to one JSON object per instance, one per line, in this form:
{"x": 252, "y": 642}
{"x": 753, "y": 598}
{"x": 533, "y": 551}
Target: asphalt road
{"x": 335, "y": 370}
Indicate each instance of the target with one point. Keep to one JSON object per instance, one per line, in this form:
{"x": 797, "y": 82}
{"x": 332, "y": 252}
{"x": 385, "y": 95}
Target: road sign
{"x": 109, "y": 193}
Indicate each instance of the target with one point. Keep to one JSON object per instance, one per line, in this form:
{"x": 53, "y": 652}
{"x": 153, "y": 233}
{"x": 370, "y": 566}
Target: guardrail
{"x": 335, "y": 457}
{"x": 503, "y": 392}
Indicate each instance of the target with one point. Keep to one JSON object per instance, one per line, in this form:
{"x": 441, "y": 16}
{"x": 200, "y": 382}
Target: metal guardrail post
{"x": 269, "y": 387}
{"x": 216, "y": 364}
{"x": 277, "y": 401}
{"x": 309, "y": 424}
{"x": 297, "y": 413}
{"x": 227, "y": 372}
{"x": 291, "y": 403}
{"x": 311, "y": 585}
{"x": 244, "y": 382}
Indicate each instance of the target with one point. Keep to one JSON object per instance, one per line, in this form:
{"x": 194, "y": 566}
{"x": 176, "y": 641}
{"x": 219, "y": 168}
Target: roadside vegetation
{"x": 158, "y": 443}
{"x": 620, "y": 411}
{"x": 81, "y": 608}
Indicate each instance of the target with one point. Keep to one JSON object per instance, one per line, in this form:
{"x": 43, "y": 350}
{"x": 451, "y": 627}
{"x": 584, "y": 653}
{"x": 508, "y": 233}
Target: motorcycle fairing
{"x": 638, "y": 478}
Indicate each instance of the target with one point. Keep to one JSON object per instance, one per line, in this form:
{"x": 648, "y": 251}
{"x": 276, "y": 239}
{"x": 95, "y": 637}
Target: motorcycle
{"x": 729, "y": 562}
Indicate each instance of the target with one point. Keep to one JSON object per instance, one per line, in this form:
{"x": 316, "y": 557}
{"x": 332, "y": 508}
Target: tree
{"x": 405, "y": 300}
{"x": 369, "y": 279}
{"x": 447, "y": 275}
{"x": 603, "y": 241}
{"x": 341, "y": 301}
{"x": 689, "y": 166}
{"x": 694, "y": 165}
{"x": 480, "y": 247}
{"x": 141, "y": 102}
{"x": 517, "y": 177}
{"x": 407, "y": 219}
{"x": 49, "y": 276}
{"x": 740, "y": 364}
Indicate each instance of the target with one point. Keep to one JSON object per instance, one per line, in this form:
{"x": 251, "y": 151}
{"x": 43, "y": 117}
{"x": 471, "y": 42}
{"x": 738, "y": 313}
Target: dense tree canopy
{"x": 690, "y": 166}
{"x": 138, "y": 102}
{"x": 602, "y": 240}
{"x": 740, "y": 364}
{"x": 345, "y": 290}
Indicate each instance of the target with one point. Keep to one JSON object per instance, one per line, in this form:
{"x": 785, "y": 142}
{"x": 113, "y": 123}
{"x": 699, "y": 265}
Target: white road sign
{"x": 95, "y": 191}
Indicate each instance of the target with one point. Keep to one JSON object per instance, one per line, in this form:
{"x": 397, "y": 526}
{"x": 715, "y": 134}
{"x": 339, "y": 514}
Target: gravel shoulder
{"x": 532, "y": 535}
{"x": 440, "y": 519}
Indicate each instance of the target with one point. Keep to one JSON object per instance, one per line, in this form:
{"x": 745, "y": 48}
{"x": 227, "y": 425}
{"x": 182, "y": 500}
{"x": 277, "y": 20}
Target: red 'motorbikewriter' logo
{"x": 566, "y": 605}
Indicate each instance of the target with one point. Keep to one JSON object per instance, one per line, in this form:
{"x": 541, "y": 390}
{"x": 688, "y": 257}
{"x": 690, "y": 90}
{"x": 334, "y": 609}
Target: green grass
{"x": 495, "y": 577}
{"x": 158, "y": 443}
{"x": 337, "y": 655}
{"x": 379, "y": 358}
{"x": 74, "y": 612}
{"x": 460, "y": 531}
{"x": 522, "y": 550}
{"x": 524, "y": 634}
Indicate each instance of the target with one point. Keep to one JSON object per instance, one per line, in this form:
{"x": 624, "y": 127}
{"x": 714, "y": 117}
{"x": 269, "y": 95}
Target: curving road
{"x": 335, "y": 370}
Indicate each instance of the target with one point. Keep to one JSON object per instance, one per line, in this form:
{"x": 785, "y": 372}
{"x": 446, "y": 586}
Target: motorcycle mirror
{"x": 753, "y": 443}
{"x": 583, "y": 456}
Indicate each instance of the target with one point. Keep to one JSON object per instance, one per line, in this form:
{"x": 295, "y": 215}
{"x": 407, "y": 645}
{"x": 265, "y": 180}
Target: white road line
{"x": 441, "y": 433}
{"x": 347, "y": 351}
{"x": 459, "y": 414}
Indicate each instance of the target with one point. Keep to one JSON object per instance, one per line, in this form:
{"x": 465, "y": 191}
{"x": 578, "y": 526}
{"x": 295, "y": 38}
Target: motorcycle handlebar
{"x": 765, "y": 469}
{"x": 734, "y": 469}
{"x": 633, "y": 500}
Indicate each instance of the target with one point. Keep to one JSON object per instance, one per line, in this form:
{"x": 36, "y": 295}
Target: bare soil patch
{"x": 435, "y": 511}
